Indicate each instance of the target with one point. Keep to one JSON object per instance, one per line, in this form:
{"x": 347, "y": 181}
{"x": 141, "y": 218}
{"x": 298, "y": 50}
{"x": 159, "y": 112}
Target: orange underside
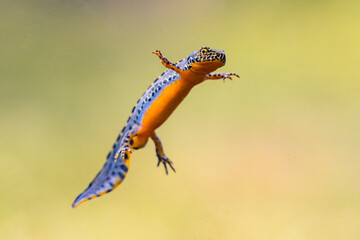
{"x": 170, "y": 98}
{"x": 163, "y": 106}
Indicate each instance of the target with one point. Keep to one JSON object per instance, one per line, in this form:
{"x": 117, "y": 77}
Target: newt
{"x": 151, "y": 111}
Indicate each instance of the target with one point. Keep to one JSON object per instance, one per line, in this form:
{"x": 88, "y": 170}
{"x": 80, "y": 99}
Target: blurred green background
{"x": 273, "y": 155}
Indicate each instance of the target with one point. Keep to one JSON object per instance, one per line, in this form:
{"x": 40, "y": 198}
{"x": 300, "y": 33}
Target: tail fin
{"x": 109, "y": 177}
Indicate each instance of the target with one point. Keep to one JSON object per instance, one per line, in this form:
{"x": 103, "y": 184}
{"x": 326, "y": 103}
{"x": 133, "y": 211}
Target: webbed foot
{"x": 165, "y": 160}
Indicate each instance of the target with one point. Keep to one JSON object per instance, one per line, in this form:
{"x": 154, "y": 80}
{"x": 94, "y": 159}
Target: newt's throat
{"x": 206, "y": 67}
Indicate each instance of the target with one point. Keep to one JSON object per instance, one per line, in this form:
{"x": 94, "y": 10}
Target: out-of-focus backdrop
{"x": 273, "y": 155}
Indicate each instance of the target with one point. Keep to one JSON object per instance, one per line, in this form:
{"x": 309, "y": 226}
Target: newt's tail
{"x": 109, "y": 177}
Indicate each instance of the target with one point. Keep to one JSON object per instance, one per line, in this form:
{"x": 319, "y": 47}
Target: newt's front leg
{"x": 221, "y": 76}
{"x": 166, "y": 62}
{"x": 160, "y": 153}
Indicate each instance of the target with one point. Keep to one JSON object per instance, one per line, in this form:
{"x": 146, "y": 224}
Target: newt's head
{"x": 206, "y": 60}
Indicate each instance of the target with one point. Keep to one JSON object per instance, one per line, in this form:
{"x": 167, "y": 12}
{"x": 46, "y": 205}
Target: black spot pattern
{"x": 150, "y": 95}
{"x": 121, "y": 175}
{"x": 124, "y": 167}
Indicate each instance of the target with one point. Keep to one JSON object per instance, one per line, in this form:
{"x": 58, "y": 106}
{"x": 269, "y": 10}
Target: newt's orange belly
{"x": 162, "y": 107}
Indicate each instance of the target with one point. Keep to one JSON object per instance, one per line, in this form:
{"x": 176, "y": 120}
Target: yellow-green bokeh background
{"x": 273, "y": 155}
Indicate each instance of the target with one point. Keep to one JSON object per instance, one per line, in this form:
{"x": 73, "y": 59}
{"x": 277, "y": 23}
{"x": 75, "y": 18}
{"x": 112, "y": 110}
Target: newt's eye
{"x": 203, "y": 51}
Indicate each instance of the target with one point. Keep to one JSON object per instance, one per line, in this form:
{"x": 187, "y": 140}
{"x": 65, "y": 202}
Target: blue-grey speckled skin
{"x": 114, "y": 171}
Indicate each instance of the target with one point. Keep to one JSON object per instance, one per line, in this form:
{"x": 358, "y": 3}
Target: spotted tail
{"x": 109, "y": 177}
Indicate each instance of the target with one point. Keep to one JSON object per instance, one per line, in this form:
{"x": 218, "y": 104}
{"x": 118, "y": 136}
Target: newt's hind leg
{"x": 160, "y": 153}
{"x": 166, "y": 62}
{"x": 132, "y": 141}
{"x": 125, "y": 149}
